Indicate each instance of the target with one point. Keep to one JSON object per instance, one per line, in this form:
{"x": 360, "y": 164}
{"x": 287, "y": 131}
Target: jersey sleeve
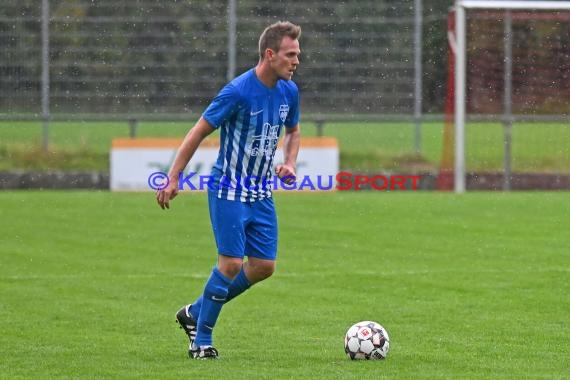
{"x": 222, "y": 107}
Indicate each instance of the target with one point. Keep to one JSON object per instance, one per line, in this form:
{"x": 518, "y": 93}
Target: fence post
{"x": 232, "y": 32}
{"x": 418, "y": 11}
{"x": 45, "y": 75}
{"x": 507, "y": 98}
{"x": 133, "y": 125}
{"x": 320, "y": 124}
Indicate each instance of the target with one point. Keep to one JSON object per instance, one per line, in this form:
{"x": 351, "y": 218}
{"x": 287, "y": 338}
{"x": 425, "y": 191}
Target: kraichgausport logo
{"x": 341, "y": 181}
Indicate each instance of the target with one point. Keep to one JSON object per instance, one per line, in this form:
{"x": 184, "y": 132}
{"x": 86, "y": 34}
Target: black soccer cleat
{"x": 188, "y": 324}
{"x": 203, "y": 353}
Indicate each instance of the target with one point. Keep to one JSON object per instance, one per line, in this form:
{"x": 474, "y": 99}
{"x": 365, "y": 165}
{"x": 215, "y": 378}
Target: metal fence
{"x": 146, "y": 57}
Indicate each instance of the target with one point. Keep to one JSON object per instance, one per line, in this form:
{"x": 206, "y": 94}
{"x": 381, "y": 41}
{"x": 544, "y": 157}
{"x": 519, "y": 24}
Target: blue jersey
{"x": 250, "y": 116}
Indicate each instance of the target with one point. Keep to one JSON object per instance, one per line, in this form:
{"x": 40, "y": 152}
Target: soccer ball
{"x": 366, "y": 340}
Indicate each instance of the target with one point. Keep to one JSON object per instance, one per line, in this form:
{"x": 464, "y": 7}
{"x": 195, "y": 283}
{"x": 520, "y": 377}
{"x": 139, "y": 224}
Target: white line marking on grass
{"x": 98, "y": 276}
{"x": 422, "y": 272}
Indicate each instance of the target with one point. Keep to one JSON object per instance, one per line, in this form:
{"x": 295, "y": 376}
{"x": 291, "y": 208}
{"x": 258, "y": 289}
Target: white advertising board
{"x": 137, "y": 164}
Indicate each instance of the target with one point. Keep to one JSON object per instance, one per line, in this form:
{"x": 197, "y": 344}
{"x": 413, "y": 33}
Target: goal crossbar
{"x": 499, "y": 4}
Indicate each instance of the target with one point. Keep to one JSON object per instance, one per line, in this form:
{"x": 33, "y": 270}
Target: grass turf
{"x": 468, "y": 286}
{"x": 363, "y": 146}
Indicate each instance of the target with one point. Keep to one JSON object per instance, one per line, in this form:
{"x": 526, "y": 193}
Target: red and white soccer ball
{"x": 366, "y": 340}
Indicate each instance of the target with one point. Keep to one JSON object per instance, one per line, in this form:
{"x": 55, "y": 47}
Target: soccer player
{"x": 251, "y": 111}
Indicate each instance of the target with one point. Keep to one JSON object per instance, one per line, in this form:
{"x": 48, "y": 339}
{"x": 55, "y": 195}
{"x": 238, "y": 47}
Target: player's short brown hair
{"x": 274, "y": 33}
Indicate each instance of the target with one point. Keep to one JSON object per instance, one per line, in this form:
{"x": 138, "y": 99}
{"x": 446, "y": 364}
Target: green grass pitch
{"x": 468, "y": 286}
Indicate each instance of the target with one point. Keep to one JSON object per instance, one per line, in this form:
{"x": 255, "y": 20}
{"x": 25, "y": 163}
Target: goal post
{"x": 460, "y": 71}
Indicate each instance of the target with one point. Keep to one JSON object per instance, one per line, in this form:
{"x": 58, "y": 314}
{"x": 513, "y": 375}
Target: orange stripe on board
{"x": 306, "y": 142}
{"x": 318, "y": 142}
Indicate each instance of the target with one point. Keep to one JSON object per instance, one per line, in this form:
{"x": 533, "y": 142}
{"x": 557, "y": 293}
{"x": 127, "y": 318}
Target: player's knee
{"x": 267, "y": 271}
{"x": 261, "y": 271}
{"x": 229, "y": 266}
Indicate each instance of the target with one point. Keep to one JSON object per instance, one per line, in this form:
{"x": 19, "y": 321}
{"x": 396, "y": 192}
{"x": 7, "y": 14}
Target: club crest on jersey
{"x": 283, "y": 112}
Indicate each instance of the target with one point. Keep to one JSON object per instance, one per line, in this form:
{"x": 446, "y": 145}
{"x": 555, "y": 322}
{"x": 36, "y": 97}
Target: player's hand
{"x": 286, "y": 173}
{"x": 164, "y": 196}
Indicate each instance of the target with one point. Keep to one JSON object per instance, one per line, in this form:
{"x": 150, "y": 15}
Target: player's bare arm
{"x": 191, "y": 142}
{"x": 291, "y": 143}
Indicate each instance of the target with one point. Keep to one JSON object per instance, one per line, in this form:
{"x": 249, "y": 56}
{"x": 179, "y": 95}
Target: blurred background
{"x": 171, "y": 57}
{"x": 74, "y": 74}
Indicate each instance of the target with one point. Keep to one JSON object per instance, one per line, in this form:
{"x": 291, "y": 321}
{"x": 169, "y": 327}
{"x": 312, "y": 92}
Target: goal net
{"x": 508, "y": 97}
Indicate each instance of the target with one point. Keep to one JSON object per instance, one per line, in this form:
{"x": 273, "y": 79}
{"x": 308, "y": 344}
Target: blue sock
{"x": 194, "y": 309}
{"x": 214, "y": 297}
{"x": 239, "y": 285}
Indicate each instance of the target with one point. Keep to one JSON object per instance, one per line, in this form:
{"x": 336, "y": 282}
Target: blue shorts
{"x": 244, "y": 228}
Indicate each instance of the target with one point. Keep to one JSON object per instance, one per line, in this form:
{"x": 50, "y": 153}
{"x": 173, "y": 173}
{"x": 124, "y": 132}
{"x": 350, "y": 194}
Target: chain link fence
{"x": 167, "y": 58}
